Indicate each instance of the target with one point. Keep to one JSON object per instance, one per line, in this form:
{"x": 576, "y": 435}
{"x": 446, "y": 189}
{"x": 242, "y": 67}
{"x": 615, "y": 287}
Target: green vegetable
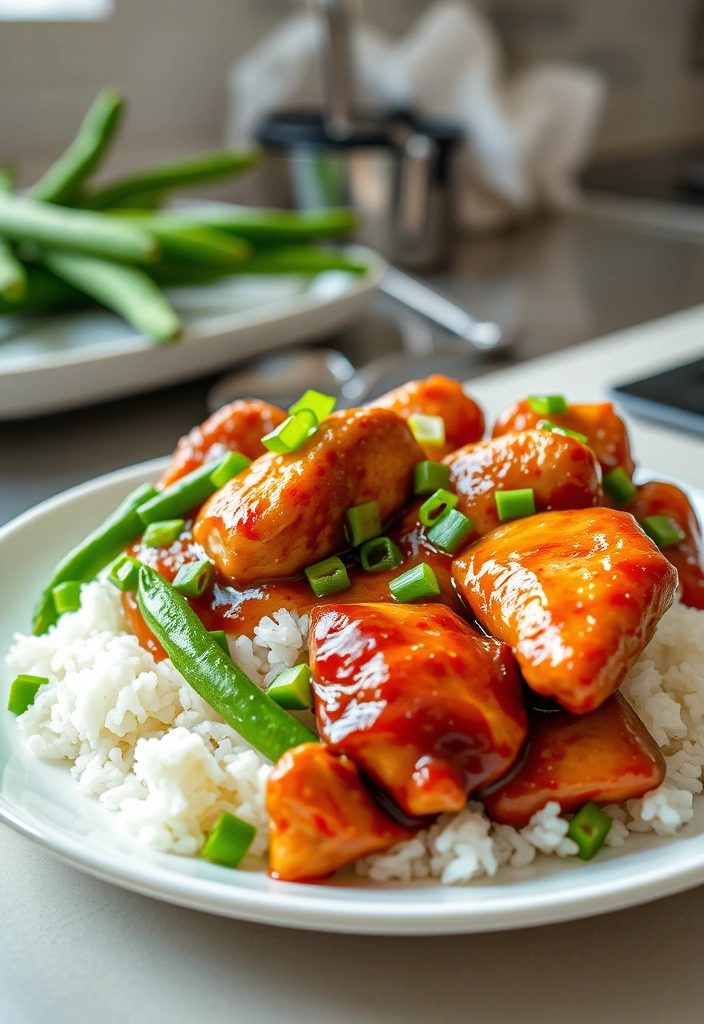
{"x": 229, "y": 841}
{"x": 162, "y": 532}
{"x": 214, "y": 676}
{"x": 663, "y": 530}
{"x": 292, "y": 433}
{"x": 619, "y": 485}
{"x": 178, "y": 174}
{"x": 450, "y": 530}
{"x": 362, "y": 522}
{"x": 86, "y": 560}
{"x": 128, "y": 291}
{"x": 23, "y": 691}
{"x": 515, "y": 504}
{"x": 555, "y": 429}
{"x": 63, "y": 180}
{"x": 274, "y": 226}
{"x": 429, "y": 477}
{"x": 589, "y": 828}
{"x": 124, "y": 573}
{"x": 185, "y": 241}
{"x": 230, "y": 465}
{"x": 415, "y": 583}
{"x": 427, "y": 429}
{"x": 67, "y": 596}
{"x": 436, "y": 506}
{"x": 300, "y": 259}
{"x": 318, "y": 403}
{"x": 291, "y": 688}
{"x": 93, "y": 234}
{"x": 547, "y": 405}
{"x": 43, "y": 291}
{"x": 13, "y": 274}
{"x": 184, "y": 494}
{"x": 192, "y": 578}
{"x": 327, "y": 577}
{"x": 380, "y": 554}
{"x": 220, "y": 639}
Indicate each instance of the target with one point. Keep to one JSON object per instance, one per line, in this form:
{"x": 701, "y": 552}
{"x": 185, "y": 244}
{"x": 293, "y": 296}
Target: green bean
{"x": 26, "y": 220}
{"x": 212, "y": 674}
{"x": 13, "y": 276}
{"x": 87, "y": 559}
{"x": 204, "y": 245}
{"x": 262, "y": 225}
{"x": 43, "y": 291}
{"x": 62, "y": 181}
{"x": 126, "y": 290}
{"x": 179, "y": 174}
{"x": 300, "y": 259}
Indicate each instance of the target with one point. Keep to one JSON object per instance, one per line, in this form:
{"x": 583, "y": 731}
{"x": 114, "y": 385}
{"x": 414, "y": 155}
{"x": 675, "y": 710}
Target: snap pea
{"x": 62, "y": 181}
{"x": 126, "y": 290}
{"x": 272, "y": 226}
{"x": 95, "y": 234}
{"x": 212, "y": 674}
{"x": 190, "y": 490}
{"x": 98, "y": 549}
{"x": 13, "y": 276}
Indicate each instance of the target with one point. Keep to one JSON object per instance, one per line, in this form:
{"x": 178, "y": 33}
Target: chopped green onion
{"x": 547, "y": 405}
{"x": 124, "y": 573}
{"x": 379, "y": 554}
{"x": 162, "y": 533}
{"x": 23, "y": 691}
{"x": 663, "y": 530}
{"x": 436, "y": 506}
{"x": 427, "y": 429}
{"x": 220, "y": 639}
{"x": 67, "y": 596}
{"x": 182, "y": 495}
{"x": 292, "y": 433}
{"x": 193, "y": 577}
{"x": 515, "y": 504}
{"x": 554, "y": 428}
{"x": 589, "y": 828}
{"x": 362, "y": 522}
{"x": 327, "y": 577}
{"x": 450, "y": 530}
{"x": 231, "y": 465}
{"x": 429, "y": 477}
{"x": 619, "y": 485}
{"x": 318, "y": 403}
{"x": 291, "y": 688}
{"x": 229, "y": 840}
{"x": 415, "y": 583}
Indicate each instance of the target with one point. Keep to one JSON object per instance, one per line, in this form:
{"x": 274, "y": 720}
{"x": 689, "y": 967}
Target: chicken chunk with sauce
{"x": 438, "y": 396}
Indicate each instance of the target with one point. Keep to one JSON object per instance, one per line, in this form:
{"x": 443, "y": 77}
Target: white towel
{"x": 527, "y": 134}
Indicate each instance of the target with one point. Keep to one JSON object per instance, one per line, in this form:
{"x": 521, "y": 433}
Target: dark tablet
{"x": 675, "y": 397}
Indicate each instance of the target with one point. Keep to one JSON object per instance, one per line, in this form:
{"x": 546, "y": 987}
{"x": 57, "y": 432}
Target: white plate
{"x": 61, "y": 360}
{"x": 41, "y": 801}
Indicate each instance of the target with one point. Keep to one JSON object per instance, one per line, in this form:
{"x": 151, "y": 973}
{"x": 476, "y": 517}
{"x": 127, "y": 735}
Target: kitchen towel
{"x": 528, "y": 134}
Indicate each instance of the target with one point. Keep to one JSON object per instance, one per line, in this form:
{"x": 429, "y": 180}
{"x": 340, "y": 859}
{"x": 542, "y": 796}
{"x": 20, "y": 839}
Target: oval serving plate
{"x": 40, "y": 800}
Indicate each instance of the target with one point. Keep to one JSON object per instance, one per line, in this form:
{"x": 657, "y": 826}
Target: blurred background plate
{"x": 56, "y": 362}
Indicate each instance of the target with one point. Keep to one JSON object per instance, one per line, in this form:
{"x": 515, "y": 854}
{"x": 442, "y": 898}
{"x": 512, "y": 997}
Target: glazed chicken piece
{"x": 287, "y": 511}
{"x": 607, "y": 434}
{"x": 321, "y": 817}
{"x": 606, "y": 756}
{"x": 659, "y": 499}
{"x": 438, "y": 396}
{"x": 419, "y": 701}
{"x": 562, "y": 472}
{"x": 577, "y": 596}
{"x": 237, "y": 427}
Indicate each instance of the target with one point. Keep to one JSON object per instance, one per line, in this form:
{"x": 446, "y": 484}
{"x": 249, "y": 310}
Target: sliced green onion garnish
{"x": 379, "y": 554}
{"x": 124, "y": 573}
{"x": 436, "y": 506}
{"x": 555, "y": 428}
{"x": 23, "y": 691}
{"x": 230, "y": 465}
{"x": 450, "y": 530}
{"x": 427, "y": 429}
{"x": 67, "y": 596}
{"x": 429, "y": 477}
{"x": 320, "y": 404}
{"x": 619, "y": 485}
{"x": 547, "y": 405}
{"x": 162, "y": 533}
{"x": 362, "y": 523}
{"x": 663, "y": 530}
{"x": 291, "y": 688}
{"x": 193, "y": 577}
{"x": 229, "y": 840}
{"x": 589, "y": 829}
{"x": 182, "y": 495}
{"x": 515, "y": 504}
{"x": 415, "y": 583}
{"x": 220, "y": 639}
{"x": 327, "y": 577}
{"x": 292, "y": 433}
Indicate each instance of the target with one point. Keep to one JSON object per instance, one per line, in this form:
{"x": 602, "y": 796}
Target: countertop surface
{"x": 75, "y": 949}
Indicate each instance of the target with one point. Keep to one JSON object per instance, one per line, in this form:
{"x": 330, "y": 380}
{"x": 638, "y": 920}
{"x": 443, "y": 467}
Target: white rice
{"x": 143, "y": 742}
